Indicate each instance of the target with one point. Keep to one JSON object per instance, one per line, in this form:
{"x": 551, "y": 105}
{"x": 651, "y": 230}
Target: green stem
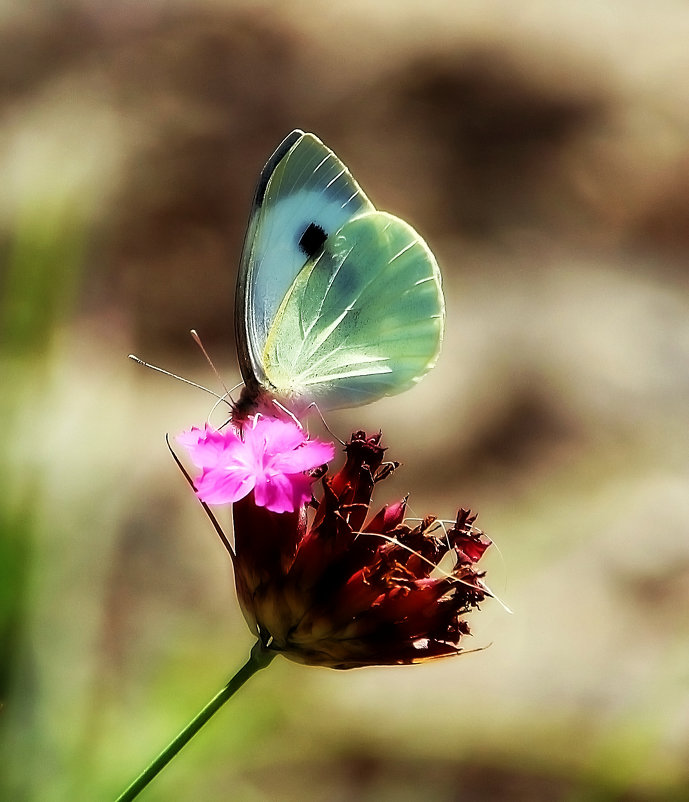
{"x": 260, "y": 657}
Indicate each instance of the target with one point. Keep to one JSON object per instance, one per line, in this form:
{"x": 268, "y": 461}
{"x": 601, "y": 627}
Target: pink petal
{"x": 277, "y": 436}
{"x": 217, "y": 486}
{"x": 208, "y": 446}
{"x": 281, "y": 493}
{"x": 301, "y": 489}
{"x": 307, "y": 456}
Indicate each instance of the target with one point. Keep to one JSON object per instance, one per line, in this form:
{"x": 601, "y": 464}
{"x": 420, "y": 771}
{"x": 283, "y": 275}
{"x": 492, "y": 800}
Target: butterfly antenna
{"x": 212, "y": 518}
{"x": 174, "y": 376}
{"x": 221, "y": 400}
{"x": 195, "y": 337}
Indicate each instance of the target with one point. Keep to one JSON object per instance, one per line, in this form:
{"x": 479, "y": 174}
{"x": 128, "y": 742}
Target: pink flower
{"x": 269, "y": 456}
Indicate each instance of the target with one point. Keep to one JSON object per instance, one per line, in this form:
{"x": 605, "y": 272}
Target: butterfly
{"x": 337, "y": 303}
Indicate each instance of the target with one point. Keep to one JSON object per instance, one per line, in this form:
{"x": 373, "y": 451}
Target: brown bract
{"x": 336, "y": 587}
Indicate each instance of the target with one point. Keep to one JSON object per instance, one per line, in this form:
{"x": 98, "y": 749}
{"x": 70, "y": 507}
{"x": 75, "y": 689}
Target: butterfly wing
{"x": 362, "y": 319}
{"x": 304, "y": 195}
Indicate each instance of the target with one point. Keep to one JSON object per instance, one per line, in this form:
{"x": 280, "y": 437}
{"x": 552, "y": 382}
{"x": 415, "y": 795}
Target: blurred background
{"x": 542, "y": 149}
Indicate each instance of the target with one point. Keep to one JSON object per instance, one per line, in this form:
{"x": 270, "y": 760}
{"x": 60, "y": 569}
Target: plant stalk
{"x": 260, "y": 657}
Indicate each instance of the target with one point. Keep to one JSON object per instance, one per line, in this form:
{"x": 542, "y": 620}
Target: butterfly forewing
{"x": 362, "y": 319}
{"x": 305, "y": 194}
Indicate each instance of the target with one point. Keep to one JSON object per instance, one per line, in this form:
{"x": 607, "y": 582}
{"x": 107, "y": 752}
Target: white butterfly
{"x": 336, "y": 302}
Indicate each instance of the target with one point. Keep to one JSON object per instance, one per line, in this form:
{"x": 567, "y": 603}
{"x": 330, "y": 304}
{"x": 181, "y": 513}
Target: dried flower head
{"x": 328, "y": 584}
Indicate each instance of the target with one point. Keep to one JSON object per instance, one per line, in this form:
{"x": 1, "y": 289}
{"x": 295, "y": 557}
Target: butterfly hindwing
{"x": 305, "y": 194}
{"x": 362, "y": 319}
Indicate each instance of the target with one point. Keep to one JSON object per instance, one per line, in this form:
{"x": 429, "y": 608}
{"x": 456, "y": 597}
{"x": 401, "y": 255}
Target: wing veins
{"x": 336, "y": 178}
{"x": 404, "y": 250}
{"x": 310, "y": 370}
{"x": 348, "y": 375}
{"x": 319, "y": 312}
{"x": 328, "y": 330}
{"x": 350, "y": 199}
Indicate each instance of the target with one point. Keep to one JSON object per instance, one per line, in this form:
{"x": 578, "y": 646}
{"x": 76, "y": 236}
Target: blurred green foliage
{"x": 41, "y": 278}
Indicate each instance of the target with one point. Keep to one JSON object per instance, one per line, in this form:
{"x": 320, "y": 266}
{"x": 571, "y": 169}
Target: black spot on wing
{"x": 312, "y": 240}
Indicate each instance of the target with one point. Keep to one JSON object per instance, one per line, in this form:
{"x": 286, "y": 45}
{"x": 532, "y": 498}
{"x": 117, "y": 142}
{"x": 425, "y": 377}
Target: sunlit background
{"x": 542, "y": 149}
